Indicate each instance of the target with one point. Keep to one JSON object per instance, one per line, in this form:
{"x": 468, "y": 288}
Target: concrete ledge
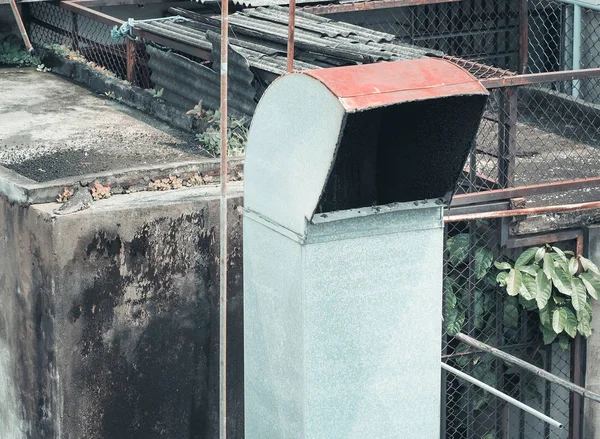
{"x": 19, "y": 189}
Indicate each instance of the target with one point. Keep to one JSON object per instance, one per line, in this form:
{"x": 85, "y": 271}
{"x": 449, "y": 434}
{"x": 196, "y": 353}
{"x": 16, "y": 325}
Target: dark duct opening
{"x": 406, "y": 152}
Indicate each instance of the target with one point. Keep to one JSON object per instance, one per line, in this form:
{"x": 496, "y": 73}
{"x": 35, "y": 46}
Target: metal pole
{"x": 501, "y": 395}
{"x": 576, "y": 46}
{"x": 523, "y": 212}
{"x": 223, "y": 226}
{"x": 527, "y": 366}
{"x": 290, "y": 45}
{"x": 21, "y": 26}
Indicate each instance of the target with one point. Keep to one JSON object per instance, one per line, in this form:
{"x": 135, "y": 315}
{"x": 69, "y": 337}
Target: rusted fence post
{"x": 130, "y": 47}
{"x": 523, "y": 35}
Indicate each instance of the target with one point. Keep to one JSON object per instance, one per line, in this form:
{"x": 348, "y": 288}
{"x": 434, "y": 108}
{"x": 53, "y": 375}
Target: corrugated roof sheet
{"x": 260, "y": 36}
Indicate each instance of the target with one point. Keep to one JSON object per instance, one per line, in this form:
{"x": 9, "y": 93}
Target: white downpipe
{"x": 576, "y": 46}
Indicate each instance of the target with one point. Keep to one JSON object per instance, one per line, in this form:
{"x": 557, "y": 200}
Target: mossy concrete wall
{"x": 109, "y": 318}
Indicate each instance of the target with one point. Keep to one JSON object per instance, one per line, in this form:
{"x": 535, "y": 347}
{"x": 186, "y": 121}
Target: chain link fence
{"x": 475, "y": 305}
{"x": 534, "y": 134}
{"x": 83, "y": 39}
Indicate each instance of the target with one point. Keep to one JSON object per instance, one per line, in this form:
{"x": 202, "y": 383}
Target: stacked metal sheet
{"x": 260, "y": 36}
{"x": 258, "y": 40}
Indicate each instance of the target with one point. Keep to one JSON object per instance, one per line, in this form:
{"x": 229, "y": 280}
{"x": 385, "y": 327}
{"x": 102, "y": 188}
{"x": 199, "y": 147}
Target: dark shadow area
{"x": 406, "y": 152}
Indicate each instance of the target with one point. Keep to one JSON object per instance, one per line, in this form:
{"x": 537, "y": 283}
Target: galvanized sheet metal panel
{"x": 336, "y": 144}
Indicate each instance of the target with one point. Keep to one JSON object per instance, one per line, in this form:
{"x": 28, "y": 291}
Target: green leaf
{"x": 483, "y": 261}
{"x": 562, "y": 281}
{"x": 514, "y": 280}
{"x": 548, "y": 265}
{"x": 529, "y": 305}
{"x": 544, "y": 290}
{"x": 559, "y": 318}
{"x": 563, "y": 343}
{"x": 454, "y": 322}
{"x": 548, "y": 335}
{"x": 458, "y": 248}
{"x": 479, "y": 309}
{"x": 546, "y": 315}
{"x": 591, "y": 284}
{"x": 589, "y": 266}
{"x": 560, "y": 253}
{"x": 571, "y": 323}
{"x": 502, "y": 265}
{"x": 526, "y": 256}
{"x": 539, "y": 255}
{"x": 528, "y": 287}
{"x": 579, "y": 296}
{"x": 529, "y": 269}
{"x": 450, "y": 301}
{"x": 501, "y": 278}
{"x": 573, "y": 266}
{"x": 511, "y": 314}
{"x": 584, "y": 318}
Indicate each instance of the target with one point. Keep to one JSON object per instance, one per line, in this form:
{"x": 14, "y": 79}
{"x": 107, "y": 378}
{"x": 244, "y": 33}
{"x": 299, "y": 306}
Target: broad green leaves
{"x": 559, "y": 318}
{"x": 592, "y": 284}
{"x": 544, "y": 290}
{"x": 526, "y": 256}
{"x": 514, "y": 280}
{"x": 483, "y": 261}
{"x": 557, "y": 284}
{"x": 458, "y": 248}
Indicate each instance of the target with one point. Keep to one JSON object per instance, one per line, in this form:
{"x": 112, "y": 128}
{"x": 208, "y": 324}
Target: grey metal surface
{"x": 319, "y": 41}
{"x": 326, "y": 352}
{"x": 186, "y": 82}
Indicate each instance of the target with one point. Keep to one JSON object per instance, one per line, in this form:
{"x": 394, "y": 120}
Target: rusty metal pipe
{"x": 523, "y": 212}
{"x": 521, "y": 191}
{"x": 19, "y": 20}
{"x": 501, "y": 395}
{"x": 223, "y": 226}
{"x": 470, "y": 341}
{"x": 290, "y": 44}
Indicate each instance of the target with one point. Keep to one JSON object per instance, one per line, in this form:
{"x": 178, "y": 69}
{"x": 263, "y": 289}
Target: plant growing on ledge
{"x": 556, "y": 284}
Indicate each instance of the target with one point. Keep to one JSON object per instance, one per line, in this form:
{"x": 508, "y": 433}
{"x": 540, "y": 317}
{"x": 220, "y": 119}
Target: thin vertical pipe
{"x": 223, "y": 226}
{"x": 523, "y": 35}
{"x": 290, "y": 44}
{"x": 578, "y": 375}
{"x": 21, "y": 26}
{"x": 576, "y": 46}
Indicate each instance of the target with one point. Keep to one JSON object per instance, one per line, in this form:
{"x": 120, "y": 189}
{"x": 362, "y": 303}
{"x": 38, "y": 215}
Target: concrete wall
{"x": 109, "y": 318}
{"x": 592, "y": 375}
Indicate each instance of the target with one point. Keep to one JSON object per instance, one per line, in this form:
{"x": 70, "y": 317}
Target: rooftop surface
{"x": 52, "y": 128}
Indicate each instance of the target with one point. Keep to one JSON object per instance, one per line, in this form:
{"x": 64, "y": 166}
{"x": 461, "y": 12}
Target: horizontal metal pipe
{"x": 580, "y": 4}
{"x": 521, "y": 191}
{"x": 523, "y": 212}
{"x": 90, "y": 13}
{"x": 527, "y": 366}
{"x": 536, "y": 78}
{"x": 369, "y": 5}
{"x": 501, "y": 395}
{"x": 543, "y": 238}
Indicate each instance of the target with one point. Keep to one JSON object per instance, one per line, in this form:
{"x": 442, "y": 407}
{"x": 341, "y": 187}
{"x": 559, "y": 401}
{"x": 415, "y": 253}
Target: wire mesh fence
{"x": 84, "y": 39}
{"x": 536, "y": 134}
{"x": 475, "y": 305}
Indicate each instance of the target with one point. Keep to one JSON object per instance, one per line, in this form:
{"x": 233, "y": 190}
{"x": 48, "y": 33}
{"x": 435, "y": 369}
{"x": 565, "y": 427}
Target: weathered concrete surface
{"x": 109, "y": 318}
{"x": 592, "y": 374}
{"x": 52, "y": 128}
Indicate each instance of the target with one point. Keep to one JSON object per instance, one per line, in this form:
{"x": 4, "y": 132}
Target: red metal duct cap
{"x": 350, "y": 137}
{"x": 378, "y": 85}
